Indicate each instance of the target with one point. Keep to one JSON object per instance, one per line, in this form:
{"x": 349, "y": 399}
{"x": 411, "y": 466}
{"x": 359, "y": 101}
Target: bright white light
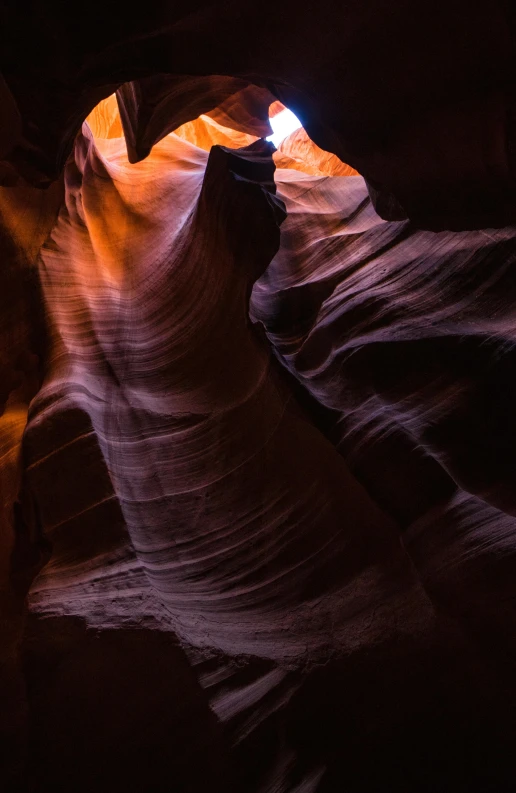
{"x": 283, "y": 124}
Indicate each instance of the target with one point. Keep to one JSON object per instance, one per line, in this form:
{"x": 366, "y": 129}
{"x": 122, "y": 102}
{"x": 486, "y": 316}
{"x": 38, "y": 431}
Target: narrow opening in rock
{"x": 283, "y": 124}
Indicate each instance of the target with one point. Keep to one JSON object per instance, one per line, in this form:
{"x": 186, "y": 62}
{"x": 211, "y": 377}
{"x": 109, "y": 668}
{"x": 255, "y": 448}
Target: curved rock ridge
{"x": 257, "y": 512}
{"x": 249, "y": 531}
{"x": 398, "y": 328}
{"x": 322, "y": 586}
{"x": 406, "y": 337}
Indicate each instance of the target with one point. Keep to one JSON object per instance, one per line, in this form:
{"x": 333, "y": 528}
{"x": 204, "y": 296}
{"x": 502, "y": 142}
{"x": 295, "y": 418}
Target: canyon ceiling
{"x": 257, "y": 406}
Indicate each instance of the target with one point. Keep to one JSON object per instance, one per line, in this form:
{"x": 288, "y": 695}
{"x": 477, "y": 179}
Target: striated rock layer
{"x": 244, "y": 521}
{"x": 258, "y": 514}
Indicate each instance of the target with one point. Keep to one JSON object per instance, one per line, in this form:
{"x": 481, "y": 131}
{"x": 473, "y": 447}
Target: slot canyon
{"x": 257, "y": 404}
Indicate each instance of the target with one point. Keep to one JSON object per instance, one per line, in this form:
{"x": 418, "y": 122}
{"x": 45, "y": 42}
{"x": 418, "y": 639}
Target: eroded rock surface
{"x": 257, "y": 519}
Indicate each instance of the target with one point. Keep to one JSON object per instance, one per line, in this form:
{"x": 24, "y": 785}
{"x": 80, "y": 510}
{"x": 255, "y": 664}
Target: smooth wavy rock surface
{"x": 248, "y": 531}
{"x": 257, "y": 515}
{"x": 262, "y": 459}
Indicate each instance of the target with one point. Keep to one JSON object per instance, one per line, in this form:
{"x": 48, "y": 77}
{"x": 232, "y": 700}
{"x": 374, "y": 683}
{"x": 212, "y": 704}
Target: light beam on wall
{"x": 283, "y": 124}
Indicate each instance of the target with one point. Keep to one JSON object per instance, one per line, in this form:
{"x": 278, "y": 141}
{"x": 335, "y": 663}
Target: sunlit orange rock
{"x": 299, "y": 153}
